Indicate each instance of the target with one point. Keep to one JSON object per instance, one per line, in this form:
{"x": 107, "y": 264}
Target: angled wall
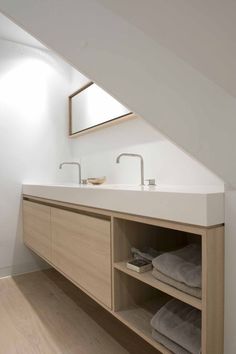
{"x": 178, "y": 100}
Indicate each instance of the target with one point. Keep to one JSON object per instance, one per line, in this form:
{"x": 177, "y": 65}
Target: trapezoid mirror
{"x": 91, "y": 108}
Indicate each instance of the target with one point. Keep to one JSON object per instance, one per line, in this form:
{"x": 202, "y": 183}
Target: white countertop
{"x": 198, "y": 205}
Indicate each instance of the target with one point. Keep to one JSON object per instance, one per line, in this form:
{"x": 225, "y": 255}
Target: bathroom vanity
{"x": 86, "y": 233}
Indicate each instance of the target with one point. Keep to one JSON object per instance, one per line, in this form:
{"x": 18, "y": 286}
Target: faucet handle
{"x": 151, "y": 182}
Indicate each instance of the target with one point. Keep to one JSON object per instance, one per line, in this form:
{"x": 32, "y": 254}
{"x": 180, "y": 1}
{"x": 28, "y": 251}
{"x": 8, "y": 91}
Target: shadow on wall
{"x": 120, "y": 136}
{"x": 34, "y": 85}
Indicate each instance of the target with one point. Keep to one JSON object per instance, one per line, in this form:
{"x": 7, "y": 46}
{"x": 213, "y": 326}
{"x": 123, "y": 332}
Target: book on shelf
{"x": 139, "y": 265}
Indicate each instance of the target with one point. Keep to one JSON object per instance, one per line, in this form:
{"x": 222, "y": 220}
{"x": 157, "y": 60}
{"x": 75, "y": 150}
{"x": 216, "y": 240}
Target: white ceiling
{"x": 11, "y": 32}
{"x": 201, "y": 32}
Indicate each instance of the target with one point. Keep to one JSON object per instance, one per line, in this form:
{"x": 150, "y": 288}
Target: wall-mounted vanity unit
{"x": 86, "y": 234}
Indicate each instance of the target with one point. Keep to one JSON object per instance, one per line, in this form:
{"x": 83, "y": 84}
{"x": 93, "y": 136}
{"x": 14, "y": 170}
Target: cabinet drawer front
{"x": 81, "y": 249}
{"x": 37, "y": 228}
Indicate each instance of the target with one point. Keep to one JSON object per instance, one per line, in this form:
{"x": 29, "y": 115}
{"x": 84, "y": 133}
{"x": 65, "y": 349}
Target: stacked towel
{"x": 169, "y": 344}
{"x": 181, "y": 269}
{"x": 197, "y": 292}
{"x": 178, "y": 327}
{"x": 146, "y": 254}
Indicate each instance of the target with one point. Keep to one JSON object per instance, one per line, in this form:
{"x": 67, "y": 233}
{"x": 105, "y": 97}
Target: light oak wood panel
{"x": 37, "y": 229}
{"x": 71, "y": 280}
{"x": 213, "y": 291}
{"x": 112, "y": 263}
{"x": 43, "y": 313}
{"x": 81, "y": 248}
{"x": 148, "y": 278}
{"x": 138, "y": 319}
{"x": 129, "y": 292}
{"x": 129, "y": 234}
{"x": 135, "y": 305}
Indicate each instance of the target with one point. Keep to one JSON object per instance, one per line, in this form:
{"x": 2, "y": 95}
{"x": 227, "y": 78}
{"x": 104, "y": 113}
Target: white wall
{"x": 178, "y": 100}
{"x": 230, "y": 276}
{"x": 97, "y": 152}
{"x": 33, "y": 138}
{"x": 163, "y": 160}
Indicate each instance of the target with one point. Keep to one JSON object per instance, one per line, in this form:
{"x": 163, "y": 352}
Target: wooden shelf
{"x": 138, "y": 319}
{"x": 148, "y": 278}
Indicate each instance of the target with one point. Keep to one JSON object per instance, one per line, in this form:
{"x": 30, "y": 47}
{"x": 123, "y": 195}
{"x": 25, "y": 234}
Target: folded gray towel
{"x": 147, "y": 253}
{"x": 169, "y": 344}
{"x": 181, "y": 323}
{"x": 183, "y": 265}
{"x": 197, "y": 292}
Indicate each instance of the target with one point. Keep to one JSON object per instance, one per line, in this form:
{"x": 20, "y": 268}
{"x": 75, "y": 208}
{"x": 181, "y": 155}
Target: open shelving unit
{"x": 138, "y": 296}
{"x": 136, "y": 303}
{"x": 148, "y": 278}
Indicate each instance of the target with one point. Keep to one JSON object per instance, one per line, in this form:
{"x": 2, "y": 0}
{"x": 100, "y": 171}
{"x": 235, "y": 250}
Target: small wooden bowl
{"x": 97, "y": 180}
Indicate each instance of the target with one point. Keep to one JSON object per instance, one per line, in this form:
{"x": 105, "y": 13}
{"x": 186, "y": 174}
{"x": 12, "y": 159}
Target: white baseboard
{"x": 23, "y": 268}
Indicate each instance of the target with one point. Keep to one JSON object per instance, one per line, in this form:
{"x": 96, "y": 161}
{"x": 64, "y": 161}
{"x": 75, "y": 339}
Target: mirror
{"x": 91, "y": 108}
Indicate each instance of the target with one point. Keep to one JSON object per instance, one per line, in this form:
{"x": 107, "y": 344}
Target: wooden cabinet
{"x": 91, "y": 247}
{"x": 37, "y": 228}
{"x": 81, "y": 248}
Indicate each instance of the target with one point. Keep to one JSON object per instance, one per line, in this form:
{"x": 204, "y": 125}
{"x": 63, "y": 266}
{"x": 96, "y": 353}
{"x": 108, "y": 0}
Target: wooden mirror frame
{"x": 108, "y": 123}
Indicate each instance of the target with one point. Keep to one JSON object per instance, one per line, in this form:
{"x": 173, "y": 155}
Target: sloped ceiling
{"x": 11, "y": 32}
{"x": 173, "y": 65}
{"x": 203, "y": 33}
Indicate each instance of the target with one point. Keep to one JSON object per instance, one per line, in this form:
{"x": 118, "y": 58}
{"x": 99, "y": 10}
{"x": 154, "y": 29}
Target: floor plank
{"x": 43, "y": 313}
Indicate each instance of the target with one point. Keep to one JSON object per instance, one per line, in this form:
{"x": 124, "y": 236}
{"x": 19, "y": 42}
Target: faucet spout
{"x": 141, "y": 163}
{"x": 73, "y": 163}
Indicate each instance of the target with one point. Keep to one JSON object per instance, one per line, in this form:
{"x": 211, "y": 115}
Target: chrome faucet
{"x": 141, "y": 163}
{"x": 73, "y": 163}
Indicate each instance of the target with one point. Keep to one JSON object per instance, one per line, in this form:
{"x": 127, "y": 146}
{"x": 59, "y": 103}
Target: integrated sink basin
{"x": 198, "y": 205}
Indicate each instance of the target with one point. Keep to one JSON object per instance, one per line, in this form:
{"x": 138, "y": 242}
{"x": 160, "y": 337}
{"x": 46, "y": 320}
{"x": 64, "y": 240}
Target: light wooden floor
{"x": 44, "y": 313}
